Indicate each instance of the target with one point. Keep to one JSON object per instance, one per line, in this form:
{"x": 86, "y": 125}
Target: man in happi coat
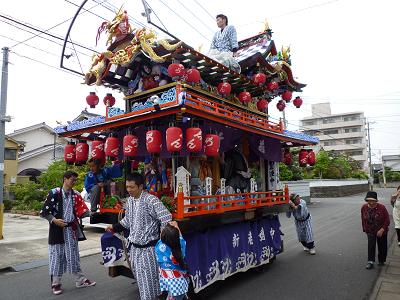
{"x": 303, "y": 222}
{"x": 224, "y": 44}
{"x": 145, "y": 217}
{"x": 62, "y": 208}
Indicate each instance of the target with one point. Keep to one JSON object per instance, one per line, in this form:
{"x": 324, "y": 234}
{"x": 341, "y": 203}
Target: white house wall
{"x": 39, "y": 162}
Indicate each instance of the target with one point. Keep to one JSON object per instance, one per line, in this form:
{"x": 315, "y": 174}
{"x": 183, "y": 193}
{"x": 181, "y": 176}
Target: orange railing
{"x": 228, "y": 112}
{"x": 217, "y": 204}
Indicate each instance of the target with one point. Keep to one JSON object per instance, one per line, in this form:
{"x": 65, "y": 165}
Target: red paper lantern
{"x": 130, "y": 145}
{"x": 98, "y": 150}
{"x": 176, "y": 70}
{"x": 153, "y": 141}
{"x": 193, "y": 75}
{"x": 109, "y": 100}
{"x": 281, "y": 105}
{"x": 82, "y": 153}
{"x": 311, "y": 157}
{"x": 244, "y": 97}
{"x": 297, "y": 102}
{"x": 262, "y": 104}
{"x": 194, "y": 139}
{"x": 211, "y": 145}
{"x": 224, "y": 88}
{"x": 259, "y": 78}
{"x": 111, "y": 147}
{"x": 303, "y": 158}
{"x": 69, "y": 153}
{"x": 287, "y": 96}
{"x": 287, "y": 157}
{"x": 272, "y": 86}
{"x": 92, "y": 100}
{"x": 174, "y": 138}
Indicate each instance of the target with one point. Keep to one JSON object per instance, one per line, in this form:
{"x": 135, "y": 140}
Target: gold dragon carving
{"x": 144, "y": 40}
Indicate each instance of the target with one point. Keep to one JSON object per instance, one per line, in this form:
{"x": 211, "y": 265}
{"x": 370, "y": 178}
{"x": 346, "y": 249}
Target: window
{"x": 354, "y": 153}
{"x": 329, "y": 143}
{"x": 351, "y": 118}
{"x": 353, "y": 141}
{"x": 309, "y": 123}
{"x": 355, "y": 129}
{"x": 333, "y": 131}
{"x": 328, "y": 120}
{"x": 10, "y": 154}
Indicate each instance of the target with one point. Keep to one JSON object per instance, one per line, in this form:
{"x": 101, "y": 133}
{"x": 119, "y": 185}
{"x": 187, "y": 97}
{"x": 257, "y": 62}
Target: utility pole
{"x": 3, "y": 119}
{"x": 371, "y": 171}
{"x": 383, "y": 172}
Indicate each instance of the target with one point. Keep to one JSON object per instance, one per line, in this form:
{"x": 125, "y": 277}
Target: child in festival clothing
{"x": 170, "y": 253}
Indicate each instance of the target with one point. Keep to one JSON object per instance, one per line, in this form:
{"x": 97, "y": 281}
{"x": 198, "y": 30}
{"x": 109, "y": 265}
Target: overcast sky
{"x": 346, "y": 51}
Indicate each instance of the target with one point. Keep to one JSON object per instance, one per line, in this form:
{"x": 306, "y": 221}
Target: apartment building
{"x": 342, "y": 133}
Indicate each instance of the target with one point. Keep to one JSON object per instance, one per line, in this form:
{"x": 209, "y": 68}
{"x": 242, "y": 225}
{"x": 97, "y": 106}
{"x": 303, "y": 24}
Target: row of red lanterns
{"x": 79, "y": 153}
{"x": 178, "y": 71}
{"x": 306, "y": 157}
{"x": 92, "y": 100}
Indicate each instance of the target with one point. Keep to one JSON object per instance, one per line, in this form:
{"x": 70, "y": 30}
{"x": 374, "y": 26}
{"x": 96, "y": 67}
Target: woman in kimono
{"x": 303, "y": 222}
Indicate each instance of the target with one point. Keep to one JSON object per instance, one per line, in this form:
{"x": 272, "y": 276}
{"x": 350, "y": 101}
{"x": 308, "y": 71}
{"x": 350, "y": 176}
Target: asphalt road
{"x": 336, "y": 272}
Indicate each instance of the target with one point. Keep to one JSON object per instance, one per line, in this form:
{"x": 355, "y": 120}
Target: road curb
{"x": 41, "y": 262}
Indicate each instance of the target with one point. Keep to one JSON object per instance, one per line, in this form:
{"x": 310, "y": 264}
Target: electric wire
{"x": 156, "y": 15}
{"x": 52, "y": 27}
{"x": 190, "y": 25}
{"x": 28, "y": 45}
{"x": 206, "y": 11}
{"x": 194, "y": 15}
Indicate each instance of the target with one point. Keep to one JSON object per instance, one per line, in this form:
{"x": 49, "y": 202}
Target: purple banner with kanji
{"x": 223, "y": 251}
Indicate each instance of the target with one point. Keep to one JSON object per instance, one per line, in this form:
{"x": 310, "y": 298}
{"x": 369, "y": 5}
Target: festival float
{"x": 202, "y": 136}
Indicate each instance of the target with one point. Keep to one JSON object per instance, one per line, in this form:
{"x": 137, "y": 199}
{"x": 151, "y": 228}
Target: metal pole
{"x": 3, "y": 119}
{"x": 371, "y": 173}
{"x": 383, "y": 172}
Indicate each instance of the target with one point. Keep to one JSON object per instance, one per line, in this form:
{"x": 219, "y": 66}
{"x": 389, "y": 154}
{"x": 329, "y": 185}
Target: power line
{"x": 28, "y": 45}
{"x": 41, "y": 37}
{"x": 194, "y": 28}
{"x": 42, "y": 31}
{"x": 206, "y": 11}
{"x": 156, "y": 15}
{"x": 305, "y": 8}
{"x": 45, "y": 64}
{"x": 52, "y": 27}
{"x": 201, "y": 21}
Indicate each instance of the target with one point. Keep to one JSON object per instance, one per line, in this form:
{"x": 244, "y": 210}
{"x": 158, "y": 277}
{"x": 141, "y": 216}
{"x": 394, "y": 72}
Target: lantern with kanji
{"x": 281, "y": 105}
{"x": 287, "y": 96}
{"x": 192, "y": 75}
{"x": 211, "y": 144}
{"x": 244, "y": 97}
{"x": 153, "y": 141}
{"x": 81, "y": 153}
{"x": 69, "y": 153}
{"x": 130, "y": 145}
{"x": 259, "y": 78}
{"x": 303, "y": 157}
{"x": 92, "y": 100}
{"x": 176, "y": 70}
{"x": 98, "y": 150}
{"x": 287, "y": 157}
{"x": 311, "y": 157}
{"x": 111, "y": 147}
{"x": 262, "y": 104}
{"x": 272, "y": 86}
{"x": 297, "y": 102}
{"x": 174, "y": 139}
{"x": 194, "y": 139}
{"x": 109, "y": 100}
{"x": 224, "y": 88}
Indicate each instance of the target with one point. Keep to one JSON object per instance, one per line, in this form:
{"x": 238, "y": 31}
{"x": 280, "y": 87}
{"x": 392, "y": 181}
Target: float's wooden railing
{"x": 217, "y": 204}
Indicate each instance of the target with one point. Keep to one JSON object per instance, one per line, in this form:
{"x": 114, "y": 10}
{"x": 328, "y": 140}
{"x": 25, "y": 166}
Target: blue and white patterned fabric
{"x": 303, "y": 222}
{"x": 172, "y": 277}
{"x": 65, "y": 257}
{"x": 225, "y": 40}
{"x": 301, "y": 136}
